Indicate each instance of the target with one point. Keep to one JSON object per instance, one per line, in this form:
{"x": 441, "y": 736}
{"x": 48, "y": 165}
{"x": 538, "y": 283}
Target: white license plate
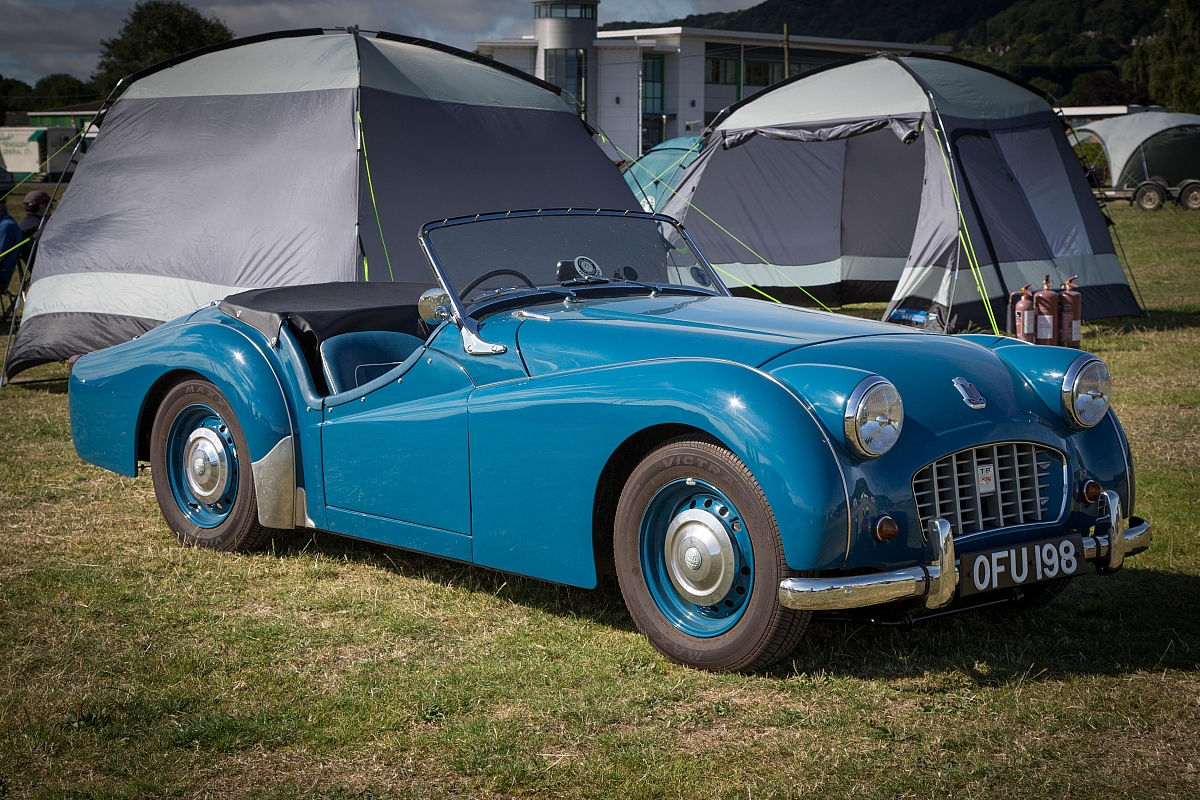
{"x": 1020, "y": 564}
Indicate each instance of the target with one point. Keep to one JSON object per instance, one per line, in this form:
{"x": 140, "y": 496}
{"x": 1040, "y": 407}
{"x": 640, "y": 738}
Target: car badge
{"x": 970, "y": 394}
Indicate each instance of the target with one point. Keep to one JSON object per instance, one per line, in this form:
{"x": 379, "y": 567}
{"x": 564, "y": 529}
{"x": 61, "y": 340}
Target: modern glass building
{"x": 644, "y": 86}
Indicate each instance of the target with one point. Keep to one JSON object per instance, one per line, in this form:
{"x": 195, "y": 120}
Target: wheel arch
{"x": 115, "y": 393}
{"x": 613, "y": 477}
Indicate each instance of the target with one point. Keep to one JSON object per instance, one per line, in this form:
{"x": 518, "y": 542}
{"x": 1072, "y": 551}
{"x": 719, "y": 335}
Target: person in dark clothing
{"x": 10, "y": 237}
{"x": 37, "y": 203}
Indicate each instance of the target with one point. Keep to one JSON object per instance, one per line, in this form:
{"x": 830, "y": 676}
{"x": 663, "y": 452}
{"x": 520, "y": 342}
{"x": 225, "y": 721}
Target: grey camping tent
{"x": 1154, "y": 146}
{"x": 926, "y": 182}
{"x": 293, "y": 158}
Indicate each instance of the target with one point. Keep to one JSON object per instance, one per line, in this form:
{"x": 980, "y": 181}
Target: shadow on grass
{"x": 1160, "y": 319}
{"x": 42, "y": 385}
{"x": 603, "y": 604}
{"x": 1137, "y": 620}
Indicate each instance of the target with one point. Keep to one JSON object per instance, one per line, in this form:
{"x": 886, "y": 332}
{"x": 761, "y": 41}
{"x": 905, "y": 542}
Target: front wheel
{"x": 1149, "y": 197}
{"x": 203, "y": 477}
{"x": 699, "y": 560}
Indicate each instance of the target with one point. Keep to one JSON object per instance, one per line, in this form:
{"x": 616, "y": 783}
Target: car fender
{"x": 533, "y": 484}
{"x": 113, "y": 391}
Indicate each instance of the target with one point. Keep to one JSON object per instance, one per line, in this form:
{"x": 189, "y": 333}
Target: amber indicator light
{"x": 886, "y": 528}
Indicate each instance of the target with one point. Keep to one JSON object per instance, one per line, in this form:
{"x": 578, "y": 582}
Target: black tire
{"x": 1189, "y": 197}
{"x": 765, "y": 632}
{"x": 239, "y": 529}
{"x": 1149, "y": 197}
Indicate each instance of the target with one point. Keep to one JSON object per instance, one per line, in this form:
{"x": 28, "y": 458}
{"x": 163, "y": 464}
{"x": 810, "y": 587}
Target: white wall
{"x": 685, "y": 85}
{"x": 520, "y": 57}
{"x": 618, "y": 77}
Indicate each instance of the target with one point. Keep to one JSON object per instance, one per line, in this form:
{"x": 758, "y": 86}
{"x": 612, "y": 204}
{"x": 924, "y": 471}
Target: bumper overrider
{"x": 937, "y": 580}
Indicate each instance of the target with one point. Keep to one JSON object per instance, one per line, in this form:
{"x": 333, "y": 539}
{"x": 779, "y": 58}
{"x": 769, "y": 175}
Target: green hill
{"x": 1073, "y": 48}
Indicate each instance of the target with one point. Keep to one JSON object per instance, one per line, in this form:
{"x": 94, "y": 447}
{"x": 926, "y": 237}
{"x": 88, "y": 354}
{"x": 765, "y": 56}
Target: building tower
{"x": 566, "y": 57}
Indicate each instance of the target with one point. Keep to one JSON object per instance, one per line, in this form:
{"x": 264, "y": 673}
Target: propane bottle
{"x": 1045, "y": 304}
{"x": 1023, "y": 315}
{"x": 1069, "y": 314}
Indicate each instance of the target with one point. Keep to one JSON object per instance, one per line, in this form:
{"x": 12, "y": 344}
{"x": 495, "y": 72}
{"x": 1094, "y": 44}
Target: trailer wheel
{"x": 1149, "y": 197}
{"x": 1189, "y": 197}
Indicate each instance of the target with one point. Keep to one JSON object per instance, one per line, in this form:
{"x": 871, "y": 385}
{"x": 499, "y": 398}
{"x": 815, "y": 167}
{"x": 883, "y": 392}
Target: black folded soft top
{"x": 318, "y": 311}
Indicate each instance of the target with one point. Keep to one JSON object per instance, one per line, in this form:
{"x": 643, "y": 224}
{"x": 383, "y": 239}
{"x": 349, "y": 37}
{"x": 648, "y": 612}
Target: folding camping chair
{"x": 10, "y": 290}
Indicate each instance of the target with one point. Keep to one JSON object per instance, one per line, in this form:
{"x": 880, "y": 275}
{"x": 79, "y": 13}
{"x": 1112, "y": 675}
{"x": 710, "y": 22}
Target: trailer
{"x": 1152, "y": 158}
{"x": 24, "y": 152}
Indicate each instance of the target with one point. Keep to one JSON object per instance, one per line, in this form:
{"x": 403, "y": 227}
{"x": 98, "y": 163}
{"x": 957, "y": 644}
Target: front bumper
{"x": 937, "y": 581}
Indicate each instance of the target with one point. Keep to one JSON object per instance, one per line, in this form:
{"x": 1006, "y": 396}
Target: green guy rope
{"x": 14, "y": 247}
{"x": 44, "y": 163}
{"x": 371, "y": 187}
{"x": 736, "y": 239}
{"x": 972, "y": 259}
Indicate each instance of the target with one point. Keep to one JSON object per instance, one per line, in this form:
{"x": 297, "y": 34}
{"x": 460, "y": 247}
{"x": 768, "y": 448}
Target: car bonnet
{"x": 603, "y": 332}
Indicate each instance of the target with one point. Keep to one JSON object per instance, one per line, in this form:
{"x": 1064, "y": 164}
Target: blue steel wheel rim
{"x": 206, "y": 496}
{"x": 689, "y": 515}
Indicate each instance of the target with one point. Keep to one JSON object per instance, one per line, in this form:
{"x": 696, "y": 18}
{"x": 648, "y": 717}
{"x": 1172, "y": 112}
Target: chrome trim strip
{"x": 275, "y": 486}
{"x": 936, "y": 581}
{"x": 1138, "y": 537}
{"x": 1110, "y": 503}
{"x": 302, "y": 520}
{"x": 832, "y": 452}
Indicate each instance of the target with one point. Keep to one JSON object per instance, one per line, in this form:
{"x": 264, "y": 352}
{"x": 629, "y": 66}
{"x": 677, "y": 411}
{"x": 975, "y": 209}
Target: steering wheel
{"x": 496, "y": 273}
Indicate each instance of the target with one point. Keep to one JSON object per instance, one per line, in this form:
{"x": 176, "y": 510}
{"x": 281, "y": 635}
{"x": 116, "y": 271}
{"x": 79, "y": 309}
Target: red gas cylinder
{"x": 1045, "y": 304}
{"x": 1023, "y": 316}
{"x": 1070, "y": 310}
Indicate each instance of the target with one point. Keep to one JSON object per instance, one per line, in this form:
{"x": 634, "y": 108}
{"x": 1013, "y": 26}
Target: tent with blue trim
{"x": 292, "y": 158}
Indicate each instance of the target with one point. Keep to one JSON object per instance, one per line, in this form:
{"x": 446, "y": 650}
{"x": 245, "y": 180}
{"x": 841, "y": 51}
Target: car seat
{"x": 350, "y": 360}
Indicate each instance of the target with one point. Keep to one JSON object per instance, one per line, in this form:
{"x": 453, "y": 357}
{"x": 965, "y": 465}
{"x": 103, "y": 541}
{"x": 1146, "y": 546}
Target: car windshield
{"x": 494, "y": 256}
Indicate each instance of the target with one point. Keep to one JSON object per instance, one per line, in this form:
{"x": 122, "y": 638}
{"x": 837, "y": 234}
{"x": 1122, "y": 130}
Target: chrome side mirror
{"x": 434, "y": 306}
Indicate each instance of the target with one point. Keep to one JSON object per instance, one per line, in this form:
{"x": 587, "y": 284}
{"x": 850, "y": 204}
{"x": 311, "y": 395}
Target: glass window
{"x": 573, "y": 10}
{"x": 558, "y": 11}
{"x": 721, "y": 70}
{"x": 567, "y": 69}
{"x": 652, "y": 84}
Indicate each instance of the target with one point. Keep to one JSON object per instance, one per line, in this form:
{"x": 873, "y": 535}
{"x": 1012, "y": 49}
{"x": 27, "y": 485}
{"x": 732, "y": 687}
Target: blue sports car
{"x": 576, "y": 393}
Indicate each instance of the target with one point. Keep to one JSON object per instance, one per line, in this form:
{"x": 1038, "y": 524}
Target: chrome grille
{"x": 1023, "y": 471}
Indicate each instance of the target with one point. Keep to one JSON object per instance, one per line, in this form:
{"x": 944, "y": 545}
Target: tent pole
{"x": 37, "y": 235}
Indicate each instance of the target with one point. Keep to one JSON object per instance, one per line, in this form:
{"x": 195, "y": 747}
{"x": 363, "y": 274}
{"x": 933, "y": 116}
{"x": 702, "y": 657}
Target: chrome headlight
{"x": 874, "y": 417}
{"x": 1086, "y": 392}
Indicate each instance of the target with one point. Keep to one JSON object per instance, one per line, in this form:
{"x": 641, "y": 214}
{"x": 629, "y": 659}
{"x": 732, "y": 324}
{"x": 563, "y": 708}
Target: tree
{"x": 154, "y": 31}
{"x": 1104, "y": 88}
{"x": 1170, "y": 63}
{"x": 60, "y": 89}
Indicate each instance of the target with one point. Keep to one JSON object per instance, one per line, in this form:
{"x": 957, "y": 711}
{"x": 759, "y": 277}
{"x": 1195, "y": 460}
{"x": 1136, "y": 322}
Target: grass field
{"x": 133, "y": 667}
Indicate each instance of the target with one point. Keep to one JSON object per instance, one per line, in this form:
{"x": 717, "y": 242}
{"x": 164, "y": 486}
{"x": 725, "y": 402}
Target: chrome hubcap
{"x": 701, "y": 559}
{"x": 208, "y": 477}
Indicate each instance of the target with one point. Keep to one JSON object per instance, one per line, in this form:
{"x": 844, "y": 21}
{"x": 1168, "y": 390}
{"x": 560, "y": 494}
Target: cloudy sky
{"x": 38, "y": 37}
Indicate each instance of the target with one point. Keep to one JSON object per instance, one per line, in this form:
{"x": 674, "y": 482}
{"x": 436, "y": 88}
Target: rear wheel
{"x": 699, "y": 560}
{"x": 200, "y": 464}
{"x": 1149, "y": 197}
{"x": 1189, "y": 197}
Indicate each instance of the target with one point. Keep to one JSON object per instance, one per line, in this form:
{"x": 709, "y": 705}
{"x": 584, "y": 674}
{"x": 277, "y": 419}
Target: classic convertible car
{"x": 580, "y": 394}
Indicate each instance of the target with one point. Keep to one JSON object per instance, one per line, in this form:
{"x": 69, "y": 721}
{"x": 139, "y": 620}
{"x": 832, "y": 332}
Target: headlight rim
{"x": 1068, "y": 391}
{"x": 850, "y": 415}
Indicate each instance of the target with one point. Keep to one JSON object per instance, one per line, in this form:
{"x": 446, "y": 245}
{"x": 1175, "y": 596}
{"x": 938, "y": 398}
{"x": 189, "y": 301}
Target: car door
{"x": 395, "y": 459}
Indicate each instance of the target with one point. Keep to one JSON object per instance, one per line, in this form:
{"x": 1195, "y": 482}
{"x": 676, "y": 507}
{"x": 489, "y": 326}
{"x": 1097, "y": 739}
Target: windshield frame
{"x": 460, "y": 310}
